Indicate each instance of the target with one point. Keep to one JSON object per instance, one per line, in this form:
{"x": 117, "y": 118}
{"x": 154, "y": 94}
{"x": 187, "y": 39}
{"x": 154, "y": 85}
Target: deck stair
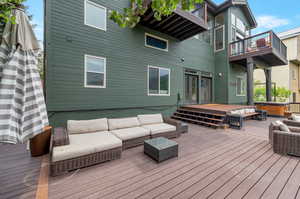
{"x": 203, "y": 118}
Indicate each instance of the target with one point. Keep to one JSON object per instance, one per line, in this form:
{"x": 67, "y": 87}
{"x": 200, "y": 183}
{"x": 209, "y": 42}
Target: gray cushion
{"x": 283, "y": 127}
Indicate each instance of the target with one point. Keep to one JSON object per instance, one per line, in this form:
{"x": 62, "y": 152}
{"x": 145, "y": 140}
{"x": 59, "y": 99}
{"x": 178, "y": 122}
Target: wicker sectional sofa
{"x": 90, "y": 142}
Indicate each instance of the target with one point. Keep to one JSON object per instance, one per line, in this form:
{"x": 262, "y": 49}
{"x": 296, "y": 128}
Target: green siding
{"x": 68, "y": 39}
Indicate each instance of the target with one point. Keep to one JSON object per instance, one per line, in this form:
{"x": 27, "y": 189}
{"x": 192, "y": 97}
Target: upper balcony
{"x": 180, "y": 24}
{"x": 265, "y": 47}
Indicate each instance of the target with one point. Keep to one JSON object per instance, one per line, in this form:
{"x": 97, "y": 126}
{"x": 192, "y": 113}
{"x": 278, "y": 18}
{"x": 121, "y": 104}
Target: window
{"x": 155, "y": 42}
{"x": 241, "y": 86}
{"x": 95, "y": 15}
{"x": 219, "y": 38}
{"x": 158, "y": 81}
{"x": 219, "y": 20}
{"x": 207, "y": 35}
{"x": 95, "y": 72}
{"x": 294, "y": 74}
{"x": 233, "y": 19}
{"x": 240, "y": 25}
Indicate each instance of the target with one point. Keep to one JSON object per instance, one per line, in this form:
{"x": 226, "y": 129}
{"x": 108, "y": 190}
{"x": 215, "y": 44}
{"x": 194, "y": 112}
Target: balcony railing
{"x": 265, "y": 43}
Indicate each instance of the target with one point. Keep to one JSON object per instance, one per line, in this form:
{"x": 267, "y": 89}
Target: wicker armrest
{"x": 294, "y": 129}
{"x": 173, "y": 122}
{"x": 291, "y": 135}
{"x": 60, "y": 137}
{"x": 291, "y": 123}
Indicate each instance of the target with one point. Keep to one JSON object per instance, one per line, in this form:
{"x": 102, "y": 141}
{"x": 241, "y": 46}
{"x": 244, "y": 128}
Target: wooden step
{"x": 198, "y": 122}
{"x": 200, "y": 117}
{"x": 202, "y": 113}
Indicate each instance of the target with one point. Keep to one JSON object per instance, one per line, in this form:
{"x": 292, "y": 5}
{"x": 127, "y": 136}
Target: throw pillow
{"x": 296, "y": 118}
{"x": 283, "y": 127}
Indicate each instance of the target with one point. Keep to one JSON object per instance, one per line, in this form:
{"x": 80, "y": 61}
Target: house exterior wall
{"x": 234, "y": 69}
{"x": 286, "y": 76}
{"x": 68, "y": 40}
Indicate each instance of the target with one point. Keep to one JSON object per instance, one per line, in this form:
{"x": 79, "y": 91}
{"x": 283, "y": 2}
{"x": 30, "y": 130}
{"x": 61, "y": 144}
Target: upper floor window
{"x": 95, "y": 72}
{"x": 238, "y": 26}
{"x": 156, "y": 42}
{"x": 219, "y": 38}
{"x": 219, "y": 20}
{"x": 241, "y": 86}
{"x": 158, "y": 81}
{"x": 95, "y": 15}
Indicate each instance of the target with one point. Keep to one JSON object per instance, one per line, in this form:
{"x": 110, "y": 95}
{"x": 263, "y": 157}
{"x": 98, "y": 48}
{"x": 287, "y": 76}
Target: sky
{"x": 278, "y": 15}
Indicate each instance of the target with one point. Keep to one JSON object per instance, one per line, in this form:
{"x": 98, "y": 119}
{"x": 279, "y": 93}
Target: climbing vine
{"x": 130, "y": 16}
{"x": 6, "y": 7}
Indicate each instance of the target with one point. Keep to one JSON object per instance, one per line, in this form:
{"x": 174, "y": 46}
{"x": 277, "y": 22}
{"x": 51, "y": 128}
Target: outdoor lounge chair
{"x": 283, "y": 142}
{"x": 82, "y": 144}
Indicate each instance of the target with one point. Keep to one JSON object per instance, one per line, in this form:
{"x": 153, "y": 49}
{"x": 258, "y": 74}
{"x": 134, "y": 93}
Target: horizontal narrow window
{"x": 95, "y": 72}
{"x": 95, "y": 15}
{"x": 158, "y": 81}
{"x": 155, "y": 42}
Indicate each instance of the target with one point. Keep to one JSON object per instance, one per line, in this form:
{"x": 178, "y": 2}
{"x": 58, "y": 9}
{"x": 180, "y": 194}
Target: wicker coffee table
{"x": 161, "y": 149}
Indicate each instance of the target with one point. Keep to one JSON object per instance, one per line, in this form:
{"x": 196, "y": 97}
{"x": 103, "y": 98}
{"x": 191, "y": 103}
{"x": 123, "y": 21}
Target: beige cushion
{"x": 131, "y": 133}
{"x": 296, "y": 118}
{"x": 150, "y": 119}
{"x": 123, "y": 123}
{"x": 85, "y": 144}
{"x": 160, "y": 128}
{"x": 87, "y": 126}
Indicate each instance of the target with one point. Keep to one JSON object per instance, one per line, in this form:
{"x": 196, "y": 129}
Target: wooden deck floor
{"x": 217, "y": 108}
{"x": 211, "y": 164}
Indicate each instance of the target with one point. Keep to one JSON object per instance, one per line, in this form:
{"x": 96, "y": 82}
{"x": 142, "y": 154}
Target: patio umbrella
{"x": 23, "y": 112}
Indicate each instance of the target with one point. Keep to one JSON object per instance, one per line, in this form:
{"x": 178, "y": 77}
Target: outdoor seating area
{"x": 149, "y": 100}
{"x": 210, "y": 164}
{"x": 89, "y": 142}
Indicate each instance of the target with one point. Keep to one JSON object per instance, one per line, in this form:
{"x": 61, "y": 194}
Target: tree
{"x": 130, "y": 16}
{"x": 6, "y": 7}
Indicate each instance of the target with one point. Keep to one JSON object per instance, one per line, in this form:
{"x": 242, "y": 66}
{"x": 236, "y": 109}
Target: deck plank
{"x": 192, "y": 183}
{"x": 291, "y": 188}
{"x": 146, "y": 178}
{"x": 105, "y": 183}
{"x": 278, "y": 184}
{"x": 259, "y": 188}
{"x": 228, "y": 186}
{"x": 221, "y": 180}
{"x": 251, "y": 180}
{"x": 195, "y": 173}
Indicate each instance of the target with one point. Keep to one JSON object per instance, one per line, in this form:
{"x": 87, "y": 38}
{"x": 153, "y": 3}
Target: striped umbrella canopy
{"x": 23, "y": 113}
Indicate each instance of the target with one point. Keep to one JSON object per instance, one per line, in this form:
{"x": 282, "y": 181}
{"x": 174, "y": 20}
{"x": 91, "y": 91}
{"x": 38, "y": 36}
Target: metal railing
{"x": 258, "y": 42}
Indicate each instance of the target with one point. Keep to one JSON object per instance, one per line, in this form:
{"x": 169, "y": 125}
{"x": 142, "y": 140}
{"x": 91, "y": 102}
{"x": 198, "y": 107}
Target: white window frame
{"x": 156, "y": 37}
{"x": 99, "y": 6}
{"x": 217, "y": 28}
{"x": 85, "y": 71}
{"x": 148, "y": 78}
{"x": 243, "y": 80}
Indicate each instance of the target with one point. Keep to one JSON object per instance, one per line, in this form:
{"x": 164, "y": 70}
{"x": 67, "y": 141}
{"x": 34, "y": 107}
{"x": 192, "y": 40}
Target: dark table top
{"x": 161, "y": 143}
